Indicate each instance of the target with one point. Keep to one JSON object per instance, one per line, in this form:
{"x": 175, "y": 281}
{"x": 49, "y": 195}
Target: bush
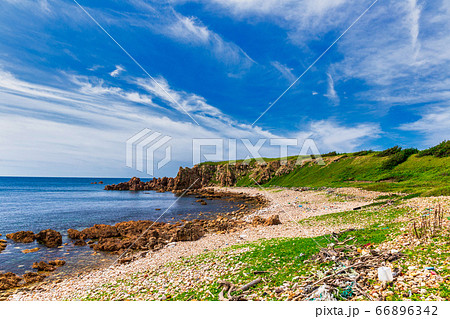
{"x": 330, "y": 154}
{"x": 390, "y": 151}
{"x": 362, "y": 153}
{"x": 441, "y": 150}
{"x": 398, "y": 158}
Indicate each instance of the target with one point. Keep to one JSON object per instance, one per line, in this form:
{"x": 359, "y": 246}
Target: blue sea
{"x": 38, "y": 203}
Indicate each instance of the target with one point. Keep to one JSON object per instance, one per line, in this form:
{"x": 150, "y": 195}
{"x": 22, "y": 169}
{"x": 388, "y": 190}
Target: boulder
{"x": 99, "y": 231}
{"x": 272, "y": 220}
{"x": 74, "y": 234}
{"x": 189, "y": 232}
{"x": 111, "y": 244}
{"x": 22, "y": 236}
{"x": 9, "y": 280}
{"x": 49, "y": 237}
{"x": 57, "y": 263}
{"x": 43, "y": 266}
{"x": 32, "y": 277}
{"x": 79, "y": 242}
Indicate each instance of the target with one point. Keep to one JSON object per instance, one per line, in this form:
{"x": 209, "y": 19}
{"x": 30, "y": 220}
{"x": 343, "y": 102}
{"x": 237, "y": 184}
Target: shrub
{"x": 441, "y": 150}
{"x": 330, "y": 154}
{"x": 398, "y": 158}
{"x": 362, "y": 153}
{"x": 390, "y": 151}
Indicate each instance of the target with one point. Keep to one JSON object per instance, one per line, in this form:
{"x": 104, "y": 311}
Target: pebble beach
{"x": 157, "y": 271}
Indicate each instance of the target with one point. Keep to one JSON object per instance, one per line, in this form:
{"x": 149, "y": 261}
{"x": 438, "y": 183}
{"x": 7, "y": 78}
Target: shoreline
{"x": 282, "y": 202}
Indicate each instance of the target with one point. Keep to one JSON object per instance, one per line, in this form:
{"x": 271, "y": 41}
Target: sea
{"x": 38, "y": 203}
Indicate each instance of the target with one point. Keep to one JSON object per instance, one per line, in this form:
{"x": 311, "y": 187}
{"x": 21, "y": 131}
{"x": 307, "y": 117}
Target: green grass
{"x": 427, "y": 175}
{"x": 426, "y": 172}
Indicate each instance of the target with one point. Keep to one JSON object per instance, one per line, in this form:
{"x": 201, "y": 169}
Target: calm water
{"x": 62, "y": 203}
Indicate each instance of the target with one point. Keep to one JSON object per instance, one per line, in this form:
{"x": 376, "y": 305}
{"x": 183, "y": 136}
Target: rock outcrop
{"x": 2, "y": 245}
{"x": 43, "y": 266}
{"x": 49, "y": 238}
{"x": 22, "y": 236}
{"x": 208, "y": 175}
{"x": 32, "y": 277}
{"x": 57, "y": 262}
{"x": 9, "y": 280}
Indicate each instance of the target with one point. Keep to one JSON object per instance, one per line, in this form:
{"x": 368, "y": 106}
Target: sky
{"x": 77, "y": 80}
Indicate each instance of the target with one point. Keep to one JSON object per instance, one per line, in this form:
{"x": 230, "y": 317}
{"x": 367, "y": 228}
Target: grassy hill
{"x": 425, "y": 173}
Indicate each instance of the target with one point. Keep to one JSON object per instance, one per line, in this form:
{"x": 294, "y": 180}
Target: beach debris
{"x": 348, "y": 277}
{"x": 323, "y": 293}
{"x": 385, "y": 274}
{"x": 229, "y": 287}
{"x": 428, "y": 225}
{"x": 22, "y": 236}
{"x": 49, "y": 238}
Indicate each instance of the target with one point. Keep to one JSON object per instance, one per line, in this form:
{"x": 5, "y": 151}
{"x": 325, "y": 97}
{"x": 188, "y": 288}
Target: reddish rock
{"x": 74, "y": 234}
{"x": 79, "y": 242}
{"x": 99, "y": 231}
{"x": 57, "y": 263}
{"x": 43, "y": 266}
{"x": 272, "y": 220}
{"x": 32, "y": 277}
{"x": 9, "y": 280}
{"x": 49, "y": 237}
{"x": 22, "y": 236}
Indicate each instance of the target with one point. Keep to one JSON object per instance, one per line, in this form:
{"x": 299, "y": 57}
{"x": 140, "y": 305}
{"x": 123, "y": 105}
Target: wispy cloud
{"x": 433, "y": 125}
{"x": 285, "y": 71}
{"x": 118, "y": 70}
{"x": 331, "y": 91}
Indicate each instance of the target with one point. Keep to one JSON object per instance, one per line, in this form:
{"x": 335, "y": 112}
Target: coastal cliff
{"x": 205, "y": 175}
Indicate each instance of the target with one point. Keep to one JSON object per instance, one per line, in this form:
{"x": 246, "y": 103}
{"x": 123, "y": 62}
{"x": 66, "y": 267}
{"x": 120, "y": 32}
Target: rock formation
{"x": 22, "y": 236}
{"x": 9, "y": 280}
{"x": 49, "y": 237}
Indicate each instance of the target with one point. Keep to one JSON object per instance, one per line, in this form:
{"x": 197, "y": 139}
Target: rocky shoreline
{"x": 136, "y": 238}
{"x": 256, "y": 224}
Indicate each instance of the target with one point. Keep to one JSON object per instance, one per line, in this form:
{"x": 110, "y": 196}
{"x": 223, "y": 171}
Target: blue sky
{"x": 70, "y": 97}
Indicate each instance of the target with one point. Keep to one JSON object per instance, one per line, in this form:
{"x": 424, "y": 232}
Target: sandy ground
{"x": 290, "y": 205}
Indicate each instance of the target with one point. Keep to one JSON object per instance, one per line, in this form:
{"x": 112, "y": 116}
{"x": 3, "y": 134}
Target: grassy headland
{"x": 425, "y": 173}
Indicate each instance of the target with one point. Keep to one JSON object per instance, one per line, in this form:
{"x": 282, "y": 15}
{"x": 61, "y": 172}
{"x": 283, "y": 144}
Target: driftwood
{"x": 348, "y": 278}
{"x": 229, "y": 287}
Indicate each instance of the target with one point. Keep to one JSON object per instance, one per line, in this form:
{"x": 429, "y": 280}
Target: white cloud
{"x": 82, "y": 131}
{"x": 331, "y": 92}
{"x": 285, "y": 71}
{"x": 434, "y": 125}
{"x": 303, "y": 19}
{"x": 119, "y": 69}
{"x": 332, "y": 136}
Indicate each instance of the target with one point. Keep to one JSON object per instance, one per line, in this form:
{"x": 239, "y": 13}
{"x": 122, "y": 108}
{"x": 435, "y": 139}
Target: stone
{"x": 57, "y": 263}
{"x": 32, "y": 277}
{"x": 49, "y": 238}
{"x": 272, "y": 220}
{"x": 27, "y": 251}
{"x": 79, "y": 242}
{"x": 43, "y": 266}
{"x": 22, "y": 236}
{"x": 9, "y": 280}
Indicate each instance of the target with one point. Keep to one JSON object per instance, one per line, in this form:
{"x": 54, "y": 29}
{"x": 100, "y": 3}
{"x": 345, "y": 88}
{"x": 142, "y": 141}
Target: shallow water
{"x": 36, "y": 203}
